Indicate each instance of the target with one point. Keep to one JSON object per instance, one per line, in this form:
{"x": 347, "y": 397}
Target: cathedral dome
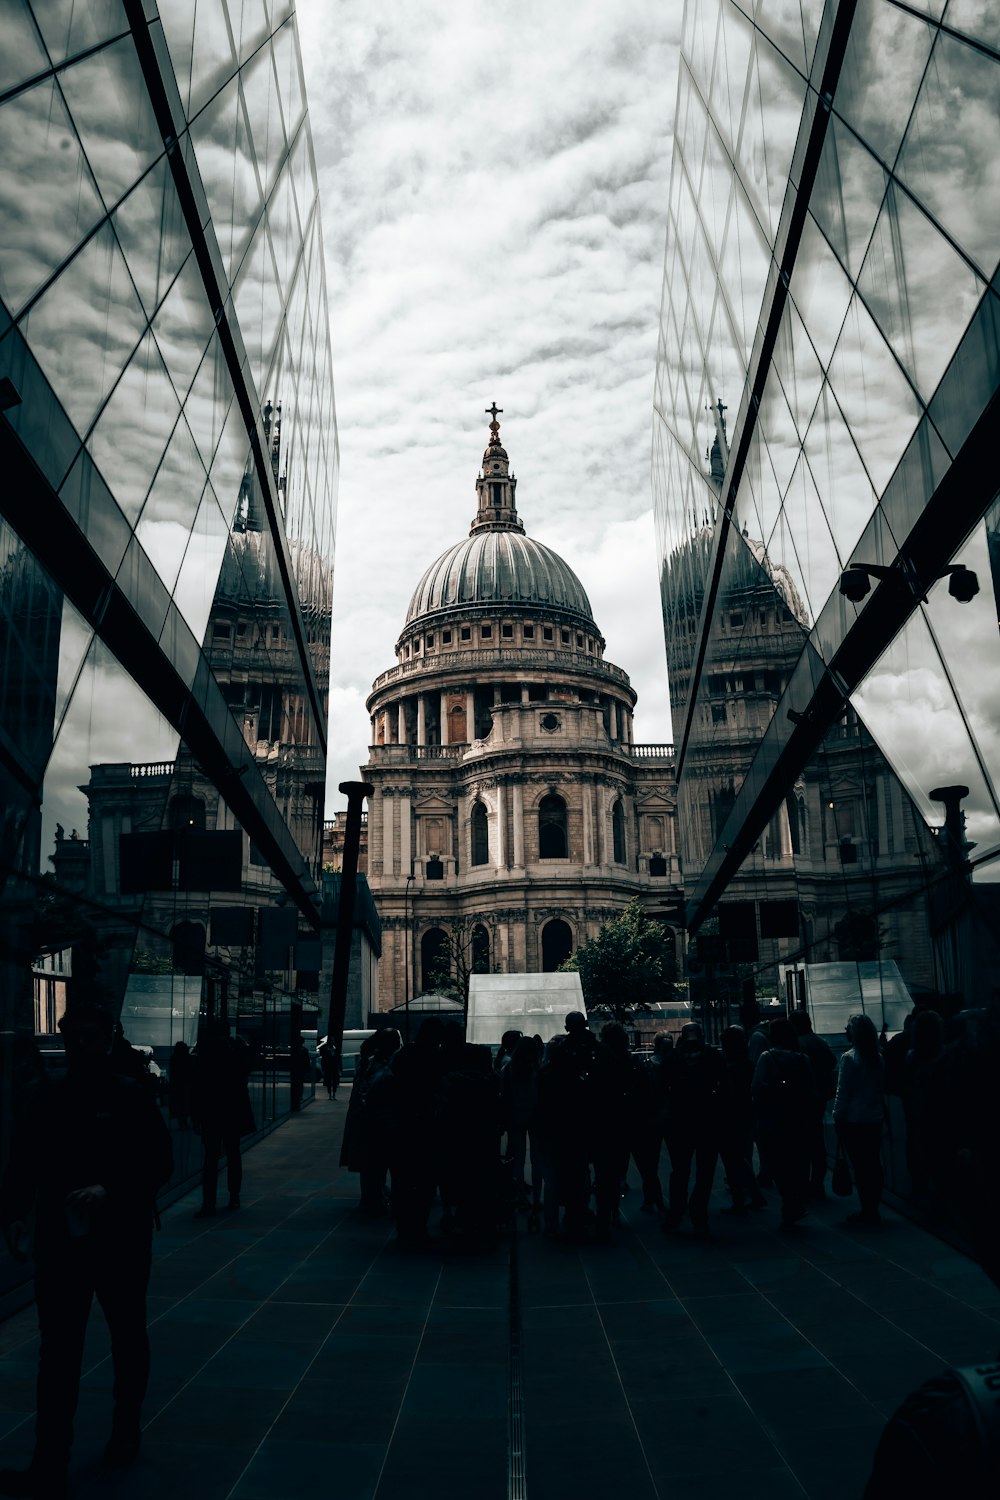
{"x": 499, "y": 567}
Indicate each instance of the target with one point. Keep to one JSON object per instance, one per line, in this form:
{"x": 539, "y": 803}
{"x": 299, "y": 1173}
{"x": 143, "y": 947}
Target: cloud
{"x": 494, "y": 186}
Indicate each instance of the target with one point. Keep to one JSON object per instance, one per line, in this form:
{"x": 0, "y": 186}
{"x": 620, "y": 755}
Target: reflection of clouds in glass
{"x": 172, "y": 504}
{"x": 152, "y": 233}
{"x": 39, "y": 146}
{"x": 85, "y": 327}
{"x": 920, "y": 292}
{"x": 840, "y": 477}
{"x": 107, "y": 98}
{"x": 885, "y": 59}
{"x": 199, "y": 573}
{"x": 950, "y": 157}
{"x": 132, "y": 431}
{"x": 873, "y": 393}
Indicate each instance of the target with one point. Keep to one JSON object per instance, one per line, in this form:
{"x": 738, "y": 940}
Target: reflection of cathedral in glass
{"x": 170, "y": 460}
{"x": 825, "y": 382}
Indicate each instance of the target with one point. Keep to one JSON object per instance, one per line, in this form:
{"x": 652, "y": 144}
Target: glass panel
{"x": 75, "y": 640}
{"x": 814, "y": 545}
{"x": 850, "y": 186}
{"x": 208, "y": 401}
{"x": 820, "y": 290}
{"x": 250, "y": 23}
{"x": 884, "y": 63}
{"x": 949, "y": 157}
{"x": 261, "y": 94}
{"x": 839, "y": 475}
{"x": 177, "y": 21}
{"x": 781, "y": 20}
{"x": 152, "y": 233}
{"x": 911, "y": 709}
{"x": 258, "y": 305}
{"x": 877, "y": 400}
{"x": 746, "y": 261}
{"x": 284, "y": 227}
{"x": 213, "y": 59}
{"x": 286, "y": 65}
{"x": 184, "y": 325}
{"x": 199, "y": 573}
{"x": 128, "y": 440}
{"x": 85, "y": 327}
{"x": 797, "y": 367}
{"x": 169, "y": 512}
{"x": 110, "y": 104}
{"x": 967, "y": 640}
{"x": 919, "y": 291}
{"x": 69, "y": 27}
{"x": 22, "y": 55}
{"x": 778, "y": 433}
{"x": 976, "y": 18}
{"x": 972, "y": 378}
{"x": 39, "y": 145}
{"x": 109, "y": 719}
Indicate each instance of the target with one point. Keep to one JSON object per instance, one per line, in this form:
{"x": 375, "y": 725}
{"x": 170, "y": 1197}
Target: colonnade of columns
{"x": 398, "y": 728}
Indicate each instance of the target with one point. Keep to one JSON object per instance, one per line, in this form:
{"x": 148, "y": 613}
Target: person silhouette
{"x": 87, "y": 1163}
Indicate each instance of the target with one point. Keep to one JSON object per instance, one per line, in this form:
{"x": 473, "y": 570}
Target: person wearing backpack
{"x": 783, "y": 1101}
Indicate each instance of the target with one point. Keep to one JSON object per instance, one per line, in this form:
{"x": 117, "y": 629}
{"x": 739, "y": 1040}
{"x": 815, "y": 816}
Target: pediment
{"x": 655, "y": 802}
{"x": 435, "y": 806}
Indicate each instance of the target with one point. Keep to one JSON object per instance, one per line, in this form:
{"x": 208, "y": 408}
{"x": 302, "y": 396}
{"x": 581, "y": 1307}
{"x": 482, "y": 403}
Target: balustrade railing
{"x": 521, "y": 659}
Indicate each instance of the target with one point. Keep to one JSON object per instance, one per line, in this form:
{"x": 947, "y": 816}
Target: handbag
{"x": 840, "y": 1179}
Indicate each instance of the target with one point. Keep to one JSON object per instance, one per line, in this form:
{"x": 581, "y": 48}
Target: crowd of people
{"x": 442, "y": 1116}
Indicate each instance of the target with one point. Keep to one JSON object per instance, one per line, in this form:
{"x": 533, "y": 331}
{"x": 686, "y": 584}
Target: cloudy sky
{"x": 494, "y": 181}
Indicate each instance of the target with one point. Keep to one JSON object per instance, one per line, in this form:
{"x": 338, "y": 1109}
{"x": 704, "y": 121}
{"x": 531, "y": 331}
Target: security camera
{"x": 963, "y": 584}
{"x": 855, "y": 584}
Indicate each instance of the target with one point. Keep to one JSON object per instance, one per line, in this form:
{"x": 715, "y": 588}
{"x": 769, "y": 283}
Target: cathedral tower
{"x": 513, "y": 813}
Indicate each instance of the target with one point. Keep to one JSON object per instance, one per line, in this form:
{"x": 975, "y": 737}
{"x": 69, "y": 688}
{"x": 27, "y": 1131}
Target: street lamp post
{"x": 355, "y": 792}
{"x": 406, "y": 951}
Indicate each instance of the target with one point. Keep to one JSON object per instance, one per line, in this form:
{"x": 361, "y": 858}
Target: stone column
{"x": 405, "y": 855}
{"x": 614, "y": 719}
{"x": 588, "y": 822}
{"x": 388, "y": 851}
{"x": 401, "y": 722}
{"x": 517, "y": 817}
{"x": 496, "y": 694}
{"x": 525, "y": 696}
{"x": 601, "y": 826}
{"x": 499, "y": 852}
{"x": 470, "y": 716}
{"x": 421, "y": 720}
{"x": 443, "y": 712}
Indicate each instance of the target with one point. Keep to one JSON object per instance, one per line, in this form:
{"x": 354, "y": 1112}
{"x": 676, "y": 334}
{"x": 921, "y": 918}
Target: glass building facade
{"x": 826, "y": 401}
{"x": 167, "y": 514}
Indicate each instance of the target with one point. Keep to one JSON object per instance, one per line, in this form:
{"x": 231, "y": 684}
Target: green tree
{"x": 629, "y": 963}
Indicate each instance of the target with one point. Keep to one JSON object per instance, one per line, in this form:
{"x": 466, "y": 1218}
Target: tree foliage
{"x": 629, "y": 963}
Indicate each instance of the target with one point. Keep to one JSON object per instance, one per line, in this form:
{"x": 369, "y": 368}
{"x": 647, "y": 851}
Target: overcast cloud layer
{"x": 493, "y": 181}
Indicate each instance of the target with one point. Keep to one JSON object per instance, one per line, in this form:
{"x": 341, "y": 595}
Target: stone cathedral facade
{"x": 513, "y": 811}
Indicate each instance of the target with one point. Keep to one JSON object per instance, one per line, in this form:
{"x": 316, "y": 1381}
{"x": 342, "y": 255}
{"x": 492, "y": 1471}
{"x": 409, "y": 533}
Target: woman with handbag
{"x": 859, "y": 1114}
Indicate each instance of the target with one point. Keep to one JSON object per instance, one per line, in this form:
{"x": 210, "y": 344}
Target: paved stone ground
{"x": 296, "y": 1349}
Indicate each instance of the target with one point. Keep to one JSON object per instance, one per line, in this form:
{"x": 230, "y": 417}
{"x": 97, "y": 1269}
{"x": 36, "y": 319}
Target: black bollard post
{"x": 355, "y": 792}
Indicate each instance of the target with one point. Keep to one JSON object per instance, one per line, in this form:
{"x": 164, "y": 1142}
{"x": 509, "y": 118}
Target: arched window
{"x": 435, "y": 963}
{"x": 188, "y": 948}
{"x": 480, "y": 835}
{"x": 552, "y": 828}
{"x": 480, "y": 955}
{"x": 557, "y": 945}
{"x": 618, "y": 832}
